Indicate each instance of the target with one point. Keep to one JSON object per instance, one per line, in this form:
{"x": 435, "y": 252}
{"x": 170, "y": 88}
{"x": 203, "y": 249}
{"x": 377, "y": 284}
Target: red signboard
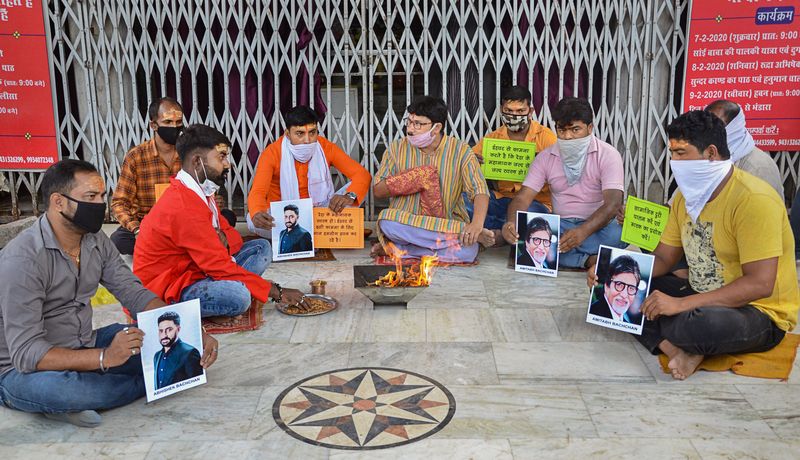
{"x": 748, "y": 52}
{"x": 27, "y": 124}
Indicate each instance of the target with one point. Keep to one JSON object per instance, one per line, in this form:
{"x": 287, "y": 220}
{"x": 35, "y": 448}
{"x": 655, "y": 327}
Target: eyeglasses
{"x": 540, "y": 242}
{"x": 416, "y": 124}
{"x": 620, "y": 286}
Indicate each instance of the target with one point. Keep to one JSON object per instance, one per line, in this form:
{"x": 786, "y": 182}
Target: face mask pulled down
{"x": 208, "y": 186}
{"x": 88, "y": 216}
{"x": 697, "y": 180}
{"x": 573, "y": 156}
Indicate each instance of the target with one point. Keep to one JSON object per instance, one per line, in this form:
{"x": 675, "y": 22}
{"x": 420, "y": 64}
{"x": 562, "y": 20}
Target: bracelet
{"x": 103, "y": 369}
{"x": 280, "y": 293}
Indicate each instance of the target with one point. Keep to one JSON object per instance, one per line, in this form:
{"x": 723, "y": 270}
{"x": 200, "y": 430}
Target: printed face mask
{"x": 515, "y": 123}
{"x": 88, "y": 216}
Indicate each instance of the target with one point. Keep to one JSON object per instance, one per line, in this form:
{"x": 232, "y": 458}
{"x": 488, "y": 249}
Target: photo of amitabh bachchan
{"x": 622, "y": 287}
{"x": 539, "y": 245}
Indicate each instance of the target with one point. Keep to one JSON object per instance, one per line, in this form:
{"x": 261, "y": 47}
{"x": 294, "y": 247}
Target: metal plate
{"x": 282, "y": 307}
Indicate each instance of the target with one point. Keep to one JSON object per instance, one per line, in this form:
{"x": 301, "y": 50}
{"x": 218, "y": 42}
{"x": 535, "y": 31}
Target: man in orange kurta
{"x": 515, "y": 112}
{"x": 297, "y": 165}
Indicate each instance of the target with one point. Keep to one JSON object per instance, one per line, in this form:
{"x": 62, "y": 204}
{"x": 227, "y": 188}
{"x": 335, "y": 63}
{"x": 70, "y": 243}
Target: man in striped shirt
{"x": 424, "y": 175}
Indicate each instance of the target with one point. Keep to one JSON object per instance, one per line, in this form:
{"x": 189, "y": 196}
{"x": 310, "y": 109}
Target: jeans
{"x": 498, "y": 208}
{"x": 608, "y": 236}
{"x": 124, "y": 240}
{"x": 226, "y": 297}
{"x": 71, "y": 391}
{"x": 709, "y": 330}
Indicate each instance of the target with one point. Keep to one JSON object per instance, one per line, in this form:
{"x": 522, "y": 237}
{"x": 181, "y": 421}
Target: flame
{"x": 415, "y": 275}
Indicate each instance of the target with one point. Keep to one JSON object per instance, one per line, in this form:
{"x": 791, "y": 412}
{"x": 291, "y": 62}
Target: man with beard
{"x": 741, "y": 295}
{"x": 619, "y": 291}
{"x": 51, "y": 360}
{"x": 586, "y": 181}
{"x": 177, "y": 360}
{"x": 185, "y": 251}
{"x": 518, "y": 125}
{"x": 539, "y": 238}
{"x": 294, "y": 238}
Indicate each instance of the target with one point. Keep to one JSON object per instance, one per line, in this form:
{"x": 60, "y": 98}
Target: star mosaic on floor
{"x": 364, "y": 408}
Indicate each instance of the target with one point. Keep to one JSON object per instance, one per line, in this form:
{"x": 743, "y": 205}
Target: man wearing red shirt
{"x": 186, "y": 251}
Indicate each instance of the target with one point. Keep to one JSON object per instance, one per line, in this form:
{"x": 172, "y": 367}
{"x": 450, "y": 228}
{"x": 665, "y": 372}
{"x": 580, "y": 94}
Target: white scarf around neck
{"x": 320, "y": 183}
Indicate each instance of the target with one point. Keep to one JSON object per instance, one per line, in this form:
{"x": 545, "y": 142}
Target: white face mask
{"x": 209, "y": 188}
{"x": 573, "y": 155}
{"x": 697, "y": 180}
{"x": 303, "y": 152}
{"x": 740, "y": 142}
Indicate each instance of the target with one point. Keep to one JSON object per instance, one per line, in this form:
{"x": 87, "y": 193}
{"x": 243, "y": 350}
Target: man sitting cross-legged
{"x": 518, "y": 125}
{"x": 185, "y": 251}
{"x": 586, "y": 181}
{"x": 742, "y": 294}
{"x": 424, "y": 176}
{"x": 297, "y": 165}
{"x": 51, "y": 361}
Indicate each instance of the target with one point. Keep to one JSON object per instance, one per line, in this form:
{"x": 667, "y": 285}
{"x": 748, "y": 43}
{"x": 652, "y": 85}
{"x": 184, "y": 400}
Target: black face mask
{"x": 89, "y": 216}
{"x": 169, "y": 133}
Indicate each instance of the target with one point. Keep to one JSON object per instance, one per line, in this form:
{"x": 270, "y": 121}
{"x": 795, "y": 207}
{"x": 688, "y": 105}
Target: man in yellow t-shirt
{"x": 742, "y": 294}
{"x": 515, "y": 112}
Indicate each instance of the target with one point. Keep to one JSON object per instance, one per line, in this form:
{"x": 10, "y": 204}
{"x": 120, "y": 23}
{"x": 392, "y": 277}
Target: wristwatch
{"x": 352, "y": 196}
{"x": 280, "y": 293}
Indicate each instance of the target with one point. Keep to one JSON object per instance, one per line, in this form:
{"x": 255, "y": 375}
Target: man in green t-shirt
{"x": 742, "y": 293}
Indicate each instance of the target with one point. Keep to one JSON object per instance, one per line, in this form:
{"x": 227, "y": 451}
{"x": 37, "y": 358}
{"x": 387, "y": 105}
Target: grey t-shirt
{"x": 761, "y": 165}
{"x": 45, "y": 302}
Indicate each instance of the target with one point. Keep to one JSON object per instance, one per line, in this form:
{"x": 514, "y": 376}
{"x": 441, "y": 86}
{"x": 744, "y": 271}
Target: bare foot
{"x": 223, "y": 321}
{"x": 377, "y": 250}
{"x": 683, "y": 364}
{"x": 486, "y": 238}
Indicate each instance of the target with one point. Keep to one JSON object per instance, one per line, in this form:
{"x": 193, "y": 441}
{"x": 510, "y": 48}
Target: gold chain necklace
{"x": 77, "y": 256}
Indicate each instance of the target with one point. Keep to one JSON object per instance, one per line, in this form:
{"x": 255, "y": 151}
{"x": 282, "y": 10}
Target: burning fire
{"x": 415, "y": 275}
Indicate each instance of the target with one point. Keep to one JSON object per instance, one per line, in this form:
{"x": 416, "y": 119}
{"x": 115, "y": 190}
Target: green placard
{"x": 507, "y": 160}
{"x": 644, "y": 223}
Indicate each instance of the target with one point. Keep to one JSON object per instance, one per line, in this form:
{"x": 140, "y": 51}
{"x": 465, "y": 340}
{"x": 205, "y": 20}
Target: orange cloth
{"x": 423, "y": 180}
{"x": 267, "y": 181}
{"x": 773, "y": 364}
{"x": 178, "y": 246}
{"x": 539, "y": 135}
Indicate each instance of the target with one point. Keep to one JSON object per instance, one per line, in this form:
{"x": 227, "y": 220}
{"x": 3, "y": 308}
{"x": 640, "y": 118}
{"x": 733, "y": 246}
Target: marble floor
{"x": 530, "y": 378}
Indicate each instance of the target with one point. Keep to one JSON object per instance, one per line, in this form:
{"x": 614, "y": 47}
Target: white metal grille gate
{"x": 237, "y": 65}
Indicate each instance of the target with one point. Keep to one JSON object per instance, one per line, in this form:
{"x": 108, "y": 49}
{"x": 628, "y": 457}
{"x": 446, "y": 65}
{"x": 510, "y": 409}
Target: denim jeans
{"x": 608, "y": 236}
{"x": 71, "y": 391}
{"x": 498, "y": 208}
{"x": 225, "y": 297}
{"x": 709, "y": 330}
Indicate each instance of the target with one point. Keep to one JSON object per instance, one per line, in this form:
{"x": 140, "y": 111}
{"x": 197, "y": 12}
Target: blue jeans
{"x": 608, "y": 236}
{"x": 230, "y": 298}
{"x": 71, "y": 391}
{"x": 498, "y": 208}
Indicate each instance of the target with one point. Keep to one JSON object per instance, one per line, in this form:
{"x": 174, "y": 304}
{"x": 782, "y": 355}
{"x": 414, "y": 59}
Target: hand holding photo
{"x": 171, "y": 350}
{"x": 623, "y": 282}
{"x": 537, "y": 250}
{"x": 294, "y": 239}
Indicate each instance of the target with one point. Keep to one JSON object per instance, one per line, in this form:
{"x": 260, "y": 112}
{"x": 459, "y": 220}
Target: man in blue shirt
{"x": 176, "y": 361}
{"x": 294, "y": 238}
